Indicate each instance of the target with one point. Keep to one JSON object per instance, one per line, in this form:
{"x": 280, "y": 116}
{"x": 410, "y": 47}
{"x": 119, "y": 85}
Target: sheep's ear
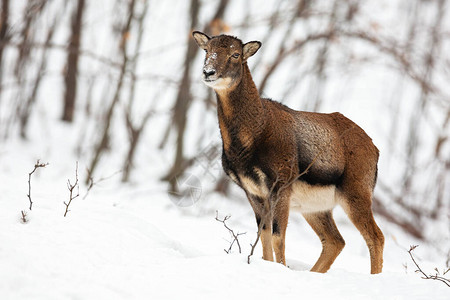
{"x": 250, "y": 48}
{"x": 201, "y": 39}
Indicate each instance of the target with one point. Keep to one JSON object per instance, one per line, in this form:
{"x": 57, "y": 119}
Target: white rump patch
{"x": 308, "y": 198}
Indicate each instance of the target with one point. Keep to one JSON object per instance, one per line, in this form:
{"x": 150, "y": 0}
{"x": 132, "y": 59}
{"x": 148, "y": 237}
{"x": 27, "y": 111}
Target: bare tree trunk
{"x": 317, "y": 89}
{"x": 103, "y": 144}
{"x": 72, "y": 64}
{"x": 419, "y": 113}
{"x": 134, "y": 134}
{"x": 26, "y": 110}
{"x": 3, "y": 35}
{"x": 183, "y": 101}
{"x": 283, "y": 52}
{"x": 134, "y": 131}
{"x": 184, "y": 97}
{"x": 32, "y": 13}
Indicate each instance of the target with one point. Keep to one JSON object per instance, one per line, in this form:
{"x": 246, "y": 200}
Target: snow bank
{"x": 132, "y": 242}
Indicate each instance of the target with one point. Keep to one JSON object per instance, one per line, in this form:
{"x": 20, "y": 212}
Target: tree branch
{"x": 235, "y": 236}
{"x": 425, "y": 276}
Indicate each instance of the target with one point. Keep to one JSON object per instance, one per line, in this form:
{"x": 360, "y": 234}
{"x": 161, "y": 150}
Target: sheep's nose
{"x": 208, "y": 72}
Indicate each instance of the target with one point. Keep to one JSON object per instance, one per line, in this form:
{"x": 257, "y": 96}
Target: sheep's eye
{"x": 236, "y": 55}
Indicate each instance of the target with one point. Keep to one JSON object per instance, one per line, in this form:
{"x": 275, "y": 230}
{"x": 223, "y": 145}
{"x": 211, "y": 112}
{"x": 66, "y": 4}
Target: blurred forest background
{"x": 122, "y": 78}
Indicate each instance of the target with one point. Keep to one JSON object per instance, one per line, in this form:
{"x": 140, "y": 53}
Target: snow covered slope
{"x": 132, "y": 242}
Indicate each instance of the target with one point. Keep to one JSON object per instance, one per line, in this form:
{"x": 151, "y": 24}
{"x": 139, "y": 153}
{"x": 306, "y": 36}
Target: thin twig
{"x": 258, "y": 235}
{"x": 24, "y": 216}
{"x": 92, "y": 183}
{"x": 434, "y": 277}
{"x": 71, "y": 187}
{"x": 235, "y": 236}
{"x": 36, "y": 166}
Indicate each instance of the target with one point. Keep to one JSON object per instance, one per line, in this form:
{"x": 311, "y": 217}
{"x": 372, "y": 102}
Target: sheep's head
{"x": 225, "y": 57}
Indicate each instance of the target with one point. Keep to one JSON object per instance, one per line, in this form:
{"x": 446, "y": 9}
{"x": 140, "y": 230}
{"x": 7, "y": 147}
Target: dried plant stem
{"x": 235, "y": 236}
{"x": 253, "y": 246}
{"x": 92, "y": 183}
{"x": 36, "y": 166}
{"x": 24, "y": 216}
{"x": 425, "y": 276}
{"x": 71, "y": 188}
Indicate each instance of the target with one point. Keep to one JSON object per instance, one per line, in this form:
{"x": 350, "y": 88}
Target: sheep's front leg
{"x": 279, "y": 226}
{"x": 266, "y": 239}
{"x": 264, "y": 221}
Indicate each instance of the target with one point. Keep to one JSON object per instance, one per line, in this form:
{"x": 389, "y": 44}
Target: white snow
{"x": 132, "y": 242}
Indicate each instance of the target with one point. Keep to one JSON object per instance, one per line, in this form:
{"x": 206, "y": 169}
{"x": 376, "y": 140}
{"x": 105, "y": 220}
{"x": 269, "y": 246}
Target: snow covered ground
{"x": 133, "y": 242}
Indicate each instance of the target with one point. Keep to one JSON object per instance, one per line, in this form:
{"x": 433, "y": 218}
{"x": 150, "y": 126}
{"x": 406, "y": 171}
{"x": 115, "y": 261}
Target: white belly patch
{"x": 308, "y": 198}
